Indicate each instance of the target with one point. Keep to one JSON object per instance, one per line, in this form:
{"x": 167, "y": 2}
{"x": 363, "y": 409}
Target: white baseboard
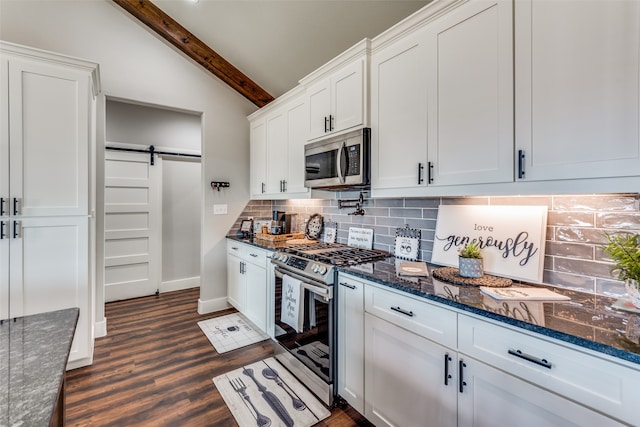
{"x": 180, "y": 284}
{"x": 100, "y": 328}
{"x": 212, "y": 305}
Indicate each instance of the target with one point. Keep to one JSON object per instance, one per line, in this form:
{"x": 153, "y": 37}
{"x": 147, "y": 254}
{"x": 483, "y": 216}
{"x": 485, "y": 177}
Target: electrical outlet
{"x": 219, "y": 209}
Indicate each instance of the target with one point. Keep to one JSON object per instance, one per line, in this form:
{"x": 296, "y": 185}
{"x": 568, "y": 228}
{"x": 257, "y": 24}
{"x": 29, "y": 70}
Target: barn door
{"x": 133, "y": 225}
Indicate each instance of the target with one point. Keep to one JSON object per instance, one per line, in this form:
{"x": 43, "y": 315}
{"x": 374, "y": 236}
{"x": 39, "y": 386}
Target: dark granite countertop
{"x": 587, "y": 320}
{"x": 33, "y": 359}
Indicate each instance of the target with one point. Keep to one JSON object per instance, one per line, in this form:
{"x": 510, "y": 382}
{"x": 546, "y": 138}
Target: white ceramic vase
{"x": 633, "y": 289}
{"x": 470, "y": 267}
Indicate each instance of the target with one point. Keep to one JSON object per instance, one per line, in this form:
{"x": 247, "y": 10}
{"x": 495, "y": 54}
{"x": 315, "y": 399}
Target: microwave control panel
{"x": 353, "y": 152}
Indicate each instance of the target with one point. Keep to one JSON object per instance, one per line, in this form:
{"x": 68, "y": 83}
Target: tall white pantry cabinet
{"x": 47, "y": 125}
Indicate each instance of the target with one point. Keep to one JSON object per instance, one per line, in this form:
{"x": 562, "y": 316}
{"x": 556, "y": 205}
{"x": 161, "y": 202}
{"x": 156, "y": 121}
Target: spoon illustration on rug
{"x": 272, "y": 374}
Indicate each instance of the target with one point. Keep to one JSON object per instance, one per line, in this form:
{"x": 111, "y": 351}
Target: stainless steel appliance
{"x": 339, "y": 162}
{"x": 309, "y": 352}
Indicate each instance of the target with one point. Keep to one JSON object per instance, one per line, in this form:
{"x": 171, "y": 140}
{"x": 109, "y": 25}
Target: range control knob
{"x": 314, "y": 268}
{"x": 284, "y": 257}
{"x": 322, "y": 269}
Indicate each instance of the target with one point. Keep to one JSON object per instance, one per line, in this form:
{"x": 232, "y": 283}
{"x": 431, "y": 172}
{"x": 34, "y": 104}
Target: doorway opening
{"x": 152, "y": 202}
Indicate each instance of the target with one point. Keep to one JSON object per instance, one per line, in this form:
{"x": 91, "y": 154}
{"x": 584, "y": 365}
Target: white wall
{"x": 137, "y": 65}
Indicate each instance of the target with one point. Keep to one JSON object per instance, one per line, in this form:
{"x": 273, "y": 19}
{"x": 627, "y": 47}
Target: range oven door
{"x": 310, "y": 352}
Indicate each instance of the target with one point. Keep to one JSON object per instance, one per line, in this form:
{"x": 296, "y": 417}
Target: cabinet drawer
{"x": 590, "y": 380}
{"x": 236, "y": 248}
{"x": 256, "y": 256}
{"x": 421, "y": 317}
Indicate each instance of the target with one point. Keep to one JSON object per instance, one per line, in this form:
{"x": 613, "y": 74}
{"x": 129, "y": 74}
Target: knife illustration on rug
{"x": 271, "y": 399}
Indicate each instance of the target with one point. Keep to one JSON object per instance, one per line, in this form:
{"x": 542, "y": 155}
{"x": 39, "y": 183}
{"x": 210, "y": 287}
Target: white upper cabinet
{"x": 577, "y": 88}
{"x": 49, "y": 153}
{"x": 470, "y": 92}
{"x": 278, "y": 135}
{"x": 258, "y": 149}
{"x": 399, "y": 114}
{"x": 337, "y": 93}
{"x": 442, "y": 101}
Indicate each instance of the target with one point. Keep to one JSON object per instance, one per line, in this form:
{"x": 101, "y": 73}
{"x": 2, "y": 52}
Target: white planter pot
{"x": 470, "y": 267}
{"x": 633, "y": 291}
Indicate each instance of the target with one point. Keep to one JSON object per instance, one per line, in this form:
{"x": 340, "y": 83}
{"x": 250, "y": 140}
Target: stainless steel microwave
{"x": 340, "y": 162}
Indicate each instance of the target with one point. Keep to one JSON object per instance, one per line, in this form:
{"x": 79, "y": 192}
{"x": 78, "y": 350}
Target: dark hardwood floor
{"x": 155, "y": 368}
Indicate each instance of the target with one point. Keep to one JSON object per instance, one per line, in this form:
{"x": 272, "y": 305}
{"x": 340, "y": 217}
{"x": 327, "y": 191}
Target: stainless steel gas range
{"x": 305, "y": 319}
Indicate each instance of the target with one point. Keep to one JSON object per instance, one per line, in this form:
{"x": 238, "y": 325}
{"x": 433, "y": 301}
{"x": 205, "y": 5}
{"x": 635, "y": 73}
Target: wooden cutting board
{"x": 279, "y": 237}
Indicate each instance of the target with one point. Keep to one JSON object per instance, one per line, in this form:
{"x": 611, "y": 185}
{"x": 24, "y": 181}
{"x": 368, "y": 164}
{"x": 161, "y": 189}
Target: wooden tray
{"x": 279, "y": 237}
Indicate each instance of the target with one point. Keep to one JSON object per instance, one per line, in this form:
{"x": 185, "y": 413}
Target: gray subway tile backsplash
{"x": 576, "y": 227}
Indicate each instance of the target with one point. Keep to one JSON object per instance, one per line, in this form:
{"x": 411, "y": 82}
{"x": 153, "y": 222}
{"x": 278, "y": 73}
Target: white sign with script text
{"x": 360, "y": 237}
{"x": 511, "y": 238}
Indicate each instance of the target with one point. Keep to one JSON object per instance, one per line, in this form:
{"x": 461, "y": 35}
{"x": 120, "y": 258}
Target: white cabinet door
{"x": 405, "y": 378}
{"x": 490, "y": 397}
{"x": 256, "y": 295}
{"x": 399, "y": 114}
{"x": 347, "y": 101}
{"x": 49, "y": 127}
{"x": 258, "y": 147}
{"x": 236, "y": 288}
{"x": 297, "y": 138}
{"x": 351, "y": 342}
{"x": 337, "y": 102}
{"x": 4, "y": 193}
{"x": 49, "y": 270}
{"x": 470, "y": 78}
{"x": 276, "y": 151}
{"x": 578, "y": 88}
{"x": 319, "y": 98}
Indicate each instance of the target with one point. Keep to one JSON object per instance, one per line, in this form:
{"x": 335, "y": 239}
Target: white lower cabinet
{"x": 491, "y": 397}
{"x": 426, "y": 364}
{"x": 247, "y": 281}
{"x": 405, "y": 378}
{"x": 351, "y": 342}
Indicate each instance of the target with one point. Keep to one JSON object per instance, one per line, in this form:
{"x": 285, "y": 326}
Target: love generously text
{"x": 518, "y": 247}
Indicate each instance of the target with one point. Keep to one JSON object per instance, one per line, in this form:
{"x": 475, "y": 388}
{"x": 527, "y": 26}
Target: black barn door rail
{"x": 152, "y": 152}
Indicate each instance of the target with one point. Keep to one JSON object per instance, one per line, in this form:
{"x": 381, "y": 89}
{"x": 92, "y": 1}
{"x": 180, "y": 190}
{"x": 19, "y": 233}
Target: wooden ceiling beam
{"x": 170, "y": 30}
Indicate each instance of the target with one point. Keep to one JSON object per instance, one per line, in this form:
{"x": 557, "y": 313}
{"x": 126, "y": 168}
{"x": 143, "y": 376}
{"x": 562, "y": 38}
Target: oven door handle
{"x": 324, "y": 292}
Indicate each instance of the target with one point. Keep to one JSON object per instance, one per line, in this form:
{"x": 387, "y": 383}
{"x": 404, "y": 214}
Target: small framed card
{"x": 407, "y": 243}
{"x": 330, "y": 232}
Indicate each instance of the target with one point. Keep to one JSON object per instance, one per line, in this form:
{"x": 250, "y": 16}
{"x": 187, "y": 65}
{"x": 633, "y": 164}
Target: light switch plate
{"x": 219, "y": 209}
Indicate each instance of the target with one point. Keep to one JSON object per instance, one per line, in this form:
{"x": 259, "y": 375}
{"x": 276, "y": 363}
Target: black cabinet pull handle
{"x": 263, "y": 187}
{"x": 401, "y": 311}
{"x": 461, "y": 381}
{"x": 346, "y": 285}
{"x": 3, "y": 224}
{"x": 447, "y": 375}
{"x": 430, "y": 173}
{"x": 530, "y": 358}
{"x": 330, "y": 122}
{"x": 284, "y": 185}
{"x": 16, "y": 201}
{"x": 420, "y": 169}
{"x": 2, "y": 201}
{"x": 17, "y": 229}
{"x": 326, "y": 124}
{"x": 520, "y": 164}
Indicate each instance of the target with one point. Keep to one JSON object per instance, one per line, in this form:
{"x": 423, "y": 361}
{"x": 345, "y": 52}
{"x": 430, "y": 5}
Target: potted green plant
{"x": 624, "y": 250}
{"x": 470, "y": 261}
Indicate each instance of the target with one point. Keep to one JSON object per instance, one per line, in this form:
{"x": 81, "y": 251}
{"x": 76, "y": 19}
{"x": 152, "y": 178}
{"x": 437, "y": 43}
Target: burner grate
{"x": 337, "y": 254}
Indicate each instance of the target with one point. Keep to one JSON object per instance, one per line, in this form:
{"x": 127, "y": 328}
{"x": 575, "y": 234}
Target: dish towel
{"x": 292, "y": 312}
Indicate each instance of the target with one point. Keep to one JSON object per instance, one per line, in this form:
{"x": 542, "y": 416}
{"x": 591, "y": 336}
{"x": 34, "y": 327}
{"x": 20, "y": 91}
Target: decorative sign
{"x": 407, "y": 243}
{"x": 511, "y": 238}
{"x": 360, "y": 237}
{"x": 330, "y": 232}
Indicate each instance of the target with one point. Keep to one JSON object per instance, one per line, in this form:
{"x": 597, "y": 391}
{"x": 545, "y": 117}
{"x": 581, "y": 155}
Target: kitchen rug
{"x": 265, "y": 393}
{"x": 232, "y": 331}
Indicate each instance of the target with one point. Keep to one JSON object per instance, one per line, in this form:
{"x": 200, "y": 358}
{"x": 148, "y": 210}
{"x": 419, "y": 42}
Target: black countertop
{"x": 33, "y": 359}
{"x": 587, "y": 320}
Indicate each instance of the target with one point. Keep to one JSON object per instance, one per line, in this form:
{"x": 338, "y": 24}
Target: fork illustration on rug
{"x": 239, "y": 387}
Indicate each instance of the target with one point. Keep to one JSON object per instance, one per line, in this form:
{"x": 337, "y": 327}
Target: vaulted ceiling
{"x": 272, "y": 44}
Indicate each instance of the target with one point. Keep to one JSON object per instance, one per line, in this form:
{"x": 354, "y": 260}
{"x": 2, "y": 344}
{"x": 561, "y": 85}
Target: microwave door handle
{"x": 341, "y": 152}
